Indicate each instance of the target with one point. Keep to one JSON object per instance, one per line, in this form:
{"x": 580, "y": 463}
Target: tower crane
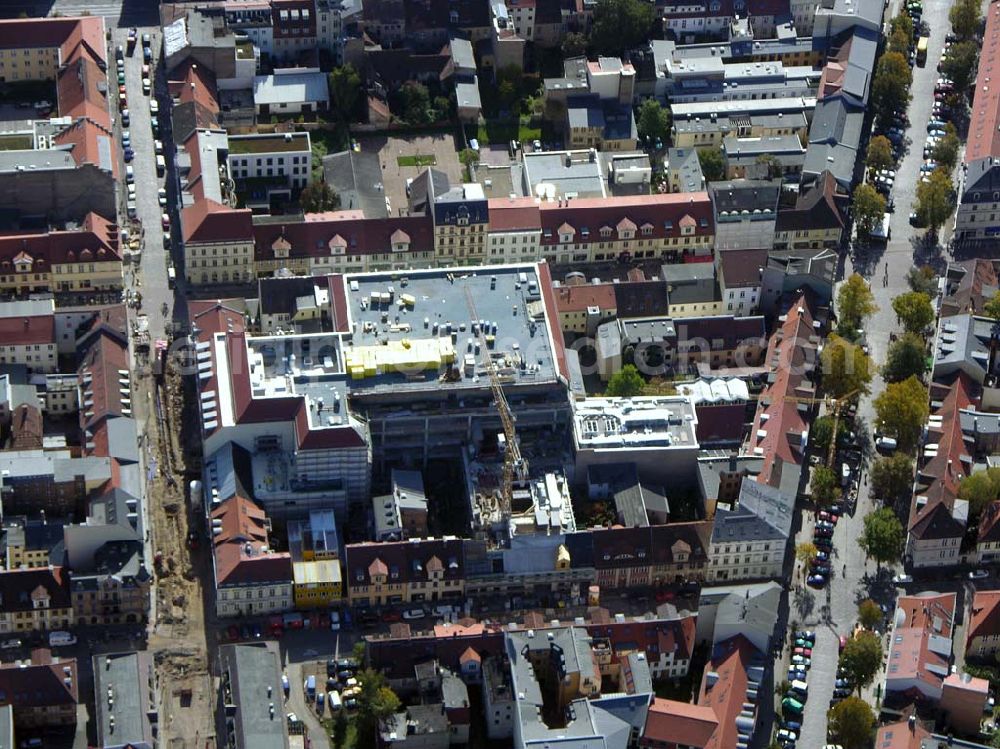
{"x": 834, "y": 406}
{"x": 513, "y": 462}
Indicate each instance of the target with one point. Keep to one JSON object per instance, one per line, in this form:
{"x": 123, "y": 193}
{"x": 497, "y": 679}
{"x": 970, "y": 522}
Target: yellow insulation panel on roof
{"x": 407, "y": 355}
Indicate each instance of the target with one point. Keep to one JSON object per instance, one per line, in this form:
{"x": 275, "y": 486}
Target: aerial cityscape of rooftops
{"x": 591, "y": 374}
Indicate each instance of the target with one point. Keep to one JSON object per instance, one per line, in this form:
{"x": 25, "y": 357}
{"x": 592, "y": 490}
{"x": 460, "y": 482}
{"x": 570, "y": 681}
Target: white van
{"x": 800, "y": 687}
{"x": 886, "y": 443}
{"x": 161, "y": 166}
{"x": 57, "y": 639}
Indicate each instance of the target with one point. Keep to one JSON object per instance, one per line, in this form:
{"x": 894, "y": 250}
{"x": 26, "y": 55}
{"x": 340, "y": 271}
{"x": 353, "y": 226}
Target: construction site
{"x": 178, "y": 638}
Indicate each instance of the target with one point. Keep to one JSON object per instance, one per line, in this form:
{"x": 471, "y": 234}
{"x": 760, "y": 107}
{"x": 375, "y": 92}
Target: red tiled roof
{"x": 84, "y": 138}
{"x": 911, "y": 650}
{"x": 46, "y": 682}
{"x": 984, "y": 120}
{"x": 790, "y": 356}
{"x": 95, "y": 242}
{"x": 579, "y": 298}
{"x": 66, "y": 33}
{"x": 901, "y": 735}
{"x": 313, "y": 236}
{"x": 102, "y": 359}
{"x": 78, "y": 90}
{"x": 666, "y": 214}
{"x": 946, "y": 469}
{"x": 20, "y": 331}
{"x": 984, "y": 619}
{"x": 194, "y": 83}
{"x": 679, "y": 723}
{"x": 240, "y": 558}
{"x": 724, "y": 686}
{"x": 742, "y": 267}
{"x": 551, "y": 316}
{"x": 514, "y": 214}
{"x": 207, "y": 221}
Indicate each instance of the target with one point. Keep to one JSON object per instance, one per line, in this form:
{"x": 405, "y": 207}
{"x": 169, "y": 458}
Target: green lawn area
{"x": 504, "y": 131}
{"x": 420, "y": 160}
{"x": 15, "y": 142}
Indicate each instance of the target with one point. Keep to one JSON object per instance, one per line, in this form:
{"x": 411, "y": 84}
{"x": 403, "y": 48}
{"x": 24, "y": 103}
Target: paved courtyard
{"x": 390, "y": 148}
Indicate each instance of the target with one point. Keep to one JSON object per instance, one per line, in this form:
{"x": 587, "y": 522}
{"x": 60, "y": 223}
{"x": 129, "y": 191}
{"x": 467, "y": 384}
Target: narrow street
{"x": 833, "y": 611}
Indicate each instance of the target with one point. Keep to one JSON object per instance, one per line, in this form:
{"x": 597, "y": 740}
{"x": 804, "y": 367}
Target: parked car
{"x": 11, "y": 644}
{"x": 125, "y": 118}
{"x": 413, "y": 614}
{"x": 902, "y": 579}
{"x": 801, "y": 660}
{"x": 816, "y": 581}
{"x": 978, "y": 574}
{"x": 162, "y": 196}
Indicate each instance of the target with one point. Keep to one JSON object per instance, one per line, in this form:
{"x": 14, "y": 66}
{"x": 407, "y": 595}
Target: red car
{"x": 233, "y": 633}
{"x": 391, "y": 616}
{"x": 843, "y": 642}
{"x": 805, "y": 652}
{"x": 828, "y": 516}
{"x": 662, "y": 596}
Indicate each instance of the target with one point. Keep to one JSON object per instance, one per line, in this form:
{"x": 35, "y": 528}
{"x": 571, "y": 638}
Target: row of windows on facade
{"x": 269, "y": 161}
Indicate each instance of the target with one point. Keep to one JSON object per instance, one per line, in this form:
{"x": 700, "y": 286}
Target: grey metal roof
{"x": 253, "y": 669}
{"x": 467, "y": 94}
{"x": 576, "y": 172}
{"x": 290, "y": 88}
{"x": 123, "y": 677}
{"x": 762, "y": 512}
{"x": 357, "y": 179}
{"x": 461, "y": 54}
{"x": 36, "y": 160}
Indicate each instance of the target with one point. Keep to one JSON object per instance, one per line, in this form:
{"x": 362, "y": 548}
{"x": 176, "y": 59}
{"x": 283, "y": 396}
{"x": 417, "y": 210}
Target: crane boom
{"x": 513, "y": 461}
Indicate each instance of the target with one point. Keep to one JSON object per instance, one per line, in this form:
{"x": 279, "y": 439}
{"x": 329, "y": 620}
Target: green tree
{"x": 318, "y": 196}
{"x": 892, "y": 477}
{"x": 574, "y": 45}
{"x": 961, "y": 65}
{"x": 980, "y": 489}
{"x": 822, "y": 431}
{"x": 906, "y": 357}
{"x": 884, "y": 537}
{"x": 712, "y": 165}
{"x": 900, "y": 41}
{"x": 806, "y": 551}
{"x": 416, "y": 103}
{"x": 862, "y": 658}
{"x": 847, "y": 370}
{"x": 965, "y": 18}
{"x": 868, "y": 207}
{"x": 340, "y": 728}
{"x": 359, "y": 652}
{"x": 823, "y": 486}
{"x": 345, "y": 85}
{"x": 914, "y": 310}
{"x": 922, "y": 278}
{"x": 851, "y": 723}
{"x": 935, "y": 199}
{"x": 946, "y": 150}
{"x": 620, "y": 25}
{"x": 879, "y": 154}
{"x": 901, "y": 410}
{"x": 902, "y": 22}
{"x": 654, "y": 122}
{"x": 469, "y": 158}
{"x": 891, "y": 85}
{"x": 626, "y": 383}
{"x": 375, "y": 704}
{"x": 855, "y": 303}
{"x": 992, "y": 307}
{"x": 869, "y": 614}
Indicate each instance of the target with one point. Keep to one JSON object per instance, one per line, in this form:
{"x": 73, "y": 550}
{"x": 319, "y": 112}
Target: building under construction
{"x": 407, "y": 373}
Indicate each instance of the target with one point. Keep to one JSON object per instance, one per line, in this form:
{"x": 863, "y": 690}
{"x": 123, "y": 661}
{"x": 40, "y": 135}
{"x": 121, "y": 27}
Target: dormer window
{"x": 566, "y": 233}
{"x": 605, "y": 232}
